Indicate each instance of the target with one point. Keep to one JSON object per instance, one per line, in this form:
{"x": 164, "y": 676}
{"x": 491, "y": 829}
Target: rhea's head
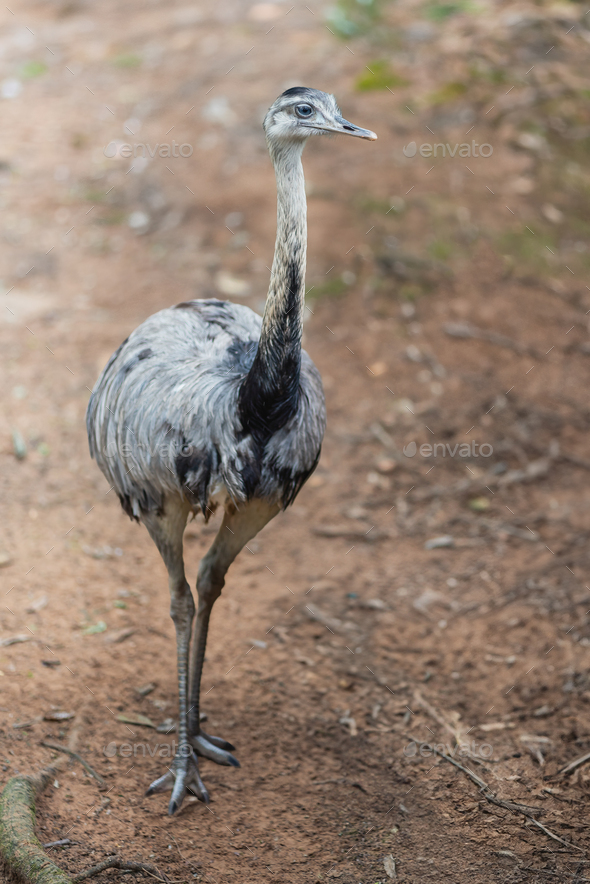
{"x": 300, "y": 112}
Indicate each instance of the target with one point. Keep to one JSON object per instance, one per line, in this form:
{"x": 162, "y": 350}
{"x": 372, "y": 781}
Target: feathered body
{"x": 166, "y": 417}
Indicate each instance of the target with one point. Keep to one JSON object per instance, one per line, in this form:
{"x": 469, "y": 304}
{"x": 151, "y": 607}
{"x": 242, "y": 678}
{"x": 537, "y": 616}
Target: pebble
{"x": 19, "y": 445}
{"x": 443, "y": 542}
{"x": 230, "y": 285}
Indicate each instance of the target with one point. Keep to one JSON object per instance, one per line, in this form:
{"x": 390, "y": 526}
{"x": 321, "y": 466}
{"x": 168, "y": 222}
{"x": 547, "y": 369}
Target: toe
{"x": 178, "y": 793}
{"x": 172, "y": 807}
{"x": 221, "y": 744}
{"x": 195, "y": 784}
{"x": 163, "y": 784}
{"x": 204, "y": 747}
{"x": 199, "y": 791}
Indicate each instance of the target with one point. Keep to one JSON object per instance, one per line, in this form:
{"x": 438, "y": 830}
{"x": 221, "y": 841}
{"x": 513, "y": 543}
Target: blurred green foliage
{"x": 350, "y": 18}
{"x": 440, "y": 249}
{"x": 367, "y": 202}
{"x": 31, "y": 69}
{"x": 447, "y": 93}
{"x": 439, "y": 12}
{"x": 379, "y": 75}
{"x": 333, "y": 288}
{"x": 94, "y": 196}
{"x": 528, "y": 249}
{"x": 482, "y": 70}
{"x": 127, "y": 60}
{"x": 410, "y": 291}
{"x": 114, "y": 217}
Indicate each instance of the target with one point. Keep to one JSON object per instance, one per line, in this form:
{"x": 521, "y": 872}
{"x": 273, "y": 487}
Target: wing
{"x": 163, "y": 412}
{"x": 163, "y": 417}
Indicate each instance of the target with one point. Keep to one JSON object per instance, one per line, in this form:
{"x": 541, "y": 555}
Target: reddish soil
{"x": 344, "y": 634}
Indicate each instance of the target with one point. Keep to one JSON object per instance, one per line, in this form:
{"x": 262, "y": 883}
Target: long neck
{"x": 269, "y": 395}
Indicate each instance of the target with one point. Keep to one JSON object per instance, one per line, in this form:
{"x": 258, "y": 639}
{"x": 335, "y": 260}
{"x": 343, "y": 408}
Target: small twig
{"x": 466, "y": 330}
{"x": 556, "y": 797}
{"x": 59, "y": 748}
{"x": 535, "y": 469}
{"x": 115, "y": 862}
{"x": 343, "y": 781}
{"x": 61, "y": 843}
{"x": 576, "y": 461}
{"x": 573, "y": 765}
{"x": 436, "y": 715}
{"x": 491, "y": 796}
{"x": 419, "y": 699}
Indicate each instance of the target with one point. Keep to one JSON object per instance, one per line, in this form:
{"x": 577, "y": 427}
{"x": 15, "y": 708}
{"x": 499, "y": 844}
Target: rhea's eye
{"x": 186, "y": 449}
{"x": 304, "y": 110}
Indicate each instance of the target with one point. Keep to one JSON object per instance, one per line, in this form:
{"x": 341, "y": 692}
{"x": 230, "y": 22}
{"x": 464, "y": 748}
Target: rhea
{"x": 207, "y": 404}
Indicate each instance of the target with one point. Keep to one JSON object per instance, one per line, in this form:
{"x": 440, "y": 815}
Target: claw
{"x": 217, "y": 741}
{"x": 203, "y": 745}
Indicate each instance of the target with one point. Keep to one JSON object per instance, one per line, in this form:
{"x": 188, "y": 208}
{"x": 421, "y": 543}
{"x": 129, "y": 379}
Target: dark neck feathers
{"x": 270, "y": 393}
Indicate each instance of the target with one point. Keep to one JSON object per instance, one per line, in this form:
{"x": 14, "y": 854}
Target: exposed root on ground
{"x": 20, "y": 849}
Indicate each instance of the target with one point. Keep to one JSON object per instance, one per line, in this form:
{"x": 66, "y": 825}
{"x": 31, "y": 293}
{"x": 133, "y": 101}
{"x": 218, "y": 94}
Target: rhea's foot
{"x": 214, "y": 748}
{"x": 183, "y": 777}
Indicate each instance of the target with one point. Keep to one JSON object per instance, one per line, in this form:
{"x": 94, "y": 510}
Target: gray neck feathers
{"x": 285, "y": 301}
{"x": 269, "y": 395}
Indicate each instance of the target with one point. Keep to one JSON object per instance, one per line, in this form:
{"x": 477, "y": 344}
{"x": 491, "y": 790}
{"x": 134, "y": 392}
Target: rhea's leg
{"x": 166, "y": 532}
{"x": 237, "y": 528}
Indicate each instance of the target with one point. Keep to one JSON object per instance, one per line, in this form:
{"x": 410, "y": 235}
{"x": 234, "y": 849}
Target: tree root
{"x": 21, "y": 851}
{"x": 115, "y": 862}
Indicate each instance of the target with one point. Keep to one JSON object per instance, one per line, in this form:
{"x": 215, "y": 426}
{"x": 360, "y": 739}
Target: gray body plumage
{"x": 163, "y": 419}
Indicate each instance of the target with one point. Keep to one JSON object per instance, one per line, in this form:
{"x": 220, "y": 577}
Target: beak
{"x": 343, "y": 127}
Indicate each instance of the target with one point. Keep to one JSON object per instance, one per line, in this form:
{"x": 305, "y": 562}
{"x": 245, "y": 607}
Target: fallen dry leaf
{"x": 389, "y": 866}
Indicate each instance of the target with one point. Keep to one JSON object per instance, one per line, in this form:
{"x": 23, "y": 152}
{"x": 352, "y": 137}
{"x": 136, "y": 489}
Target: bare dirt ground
{"x": 448, "y": 305}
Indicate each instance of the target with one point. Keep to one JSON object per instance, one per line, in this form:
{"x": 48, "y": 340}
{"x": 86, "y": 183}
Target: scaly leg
{"x": 237, "y": 528}
{"x": 166, "y": 532}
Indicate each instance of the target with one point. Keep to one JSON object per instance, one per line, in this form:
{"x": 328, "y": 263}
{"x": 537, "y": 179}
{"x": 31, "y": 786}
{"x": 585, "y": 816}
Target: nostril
{"x": 349, "y": 128}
